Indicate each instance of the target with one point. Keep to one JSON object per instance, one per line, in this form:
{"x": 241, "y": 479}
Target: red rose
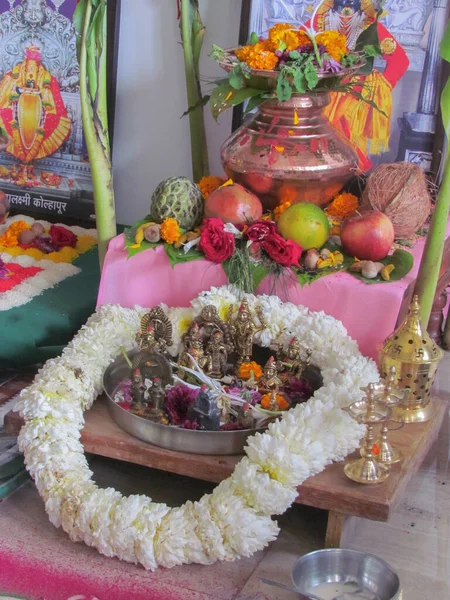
{"x": 216, "y": 244}
{"x": 260, "y": 230}
{"x": 284, "y": 252}
{"x": 62, "y": 236}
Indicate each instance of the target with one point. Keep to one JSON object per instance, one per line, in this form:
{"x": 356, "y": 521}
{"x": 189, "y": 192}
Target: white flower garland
{"x": 52, "y": 273}
{"x": 233, "y": 521}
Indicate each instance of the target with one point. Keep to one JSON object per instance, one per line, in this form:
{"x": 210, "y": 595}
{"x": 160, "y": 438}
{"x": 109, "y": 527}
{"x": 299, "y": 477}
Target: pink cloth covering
{"x": 369, "y": 312}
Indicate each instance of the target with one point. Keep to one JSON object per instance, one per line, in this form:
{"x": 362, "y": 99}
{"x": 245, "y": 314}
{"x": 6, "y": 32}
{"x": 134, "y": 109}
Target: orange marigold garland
{"x": 170, "y": 231}
{"x": 246, "y": 370}
{"x": 279, "y": 210}
{"x": 343, "y": 206}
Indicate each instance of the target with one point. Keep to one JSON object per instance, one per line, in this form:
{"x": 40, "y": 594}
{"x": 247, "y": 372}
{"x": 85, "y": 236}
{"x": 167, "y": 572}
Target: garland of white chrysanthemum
{"x": 233, "y": 521}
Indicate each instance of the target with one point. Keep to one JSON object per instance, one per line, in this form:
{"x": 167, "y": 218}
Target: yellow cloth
{"x": 369, "y": 128}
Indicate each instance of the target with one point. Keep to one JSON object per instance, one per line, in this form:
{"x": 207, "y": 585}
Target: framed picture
{"x": 408, "y": 74}
{"x": 45, "y": 168}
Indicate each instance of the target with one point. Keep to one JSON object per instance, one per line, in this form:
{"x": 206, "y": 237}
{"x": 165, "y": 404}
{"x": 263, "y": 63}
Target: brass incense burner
{"x": 416, "y": 359}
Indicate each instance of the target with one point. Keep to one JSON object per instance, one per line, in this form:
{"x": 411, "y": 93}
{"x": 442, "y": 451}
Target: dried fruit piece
{"x": 386, "y": 272}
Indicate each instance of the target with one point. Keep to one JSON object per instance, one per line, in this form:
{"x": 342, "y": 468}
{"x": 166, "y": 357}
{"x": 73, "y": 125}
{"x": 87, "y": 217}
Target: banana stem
{"x": 96, "y": 129}
{"x": 430, "y": 265}
{"x": 192, "y": 32}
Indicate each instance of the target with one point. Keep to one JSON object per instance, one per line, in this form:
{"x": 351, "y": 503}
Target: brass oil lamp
{"x": 416, "y": 359}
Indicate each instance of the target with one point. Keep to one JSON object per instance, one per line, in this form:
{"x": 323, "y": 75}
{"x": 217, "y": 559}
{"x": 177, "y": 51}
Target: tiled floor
{"x": 416, "y": 540}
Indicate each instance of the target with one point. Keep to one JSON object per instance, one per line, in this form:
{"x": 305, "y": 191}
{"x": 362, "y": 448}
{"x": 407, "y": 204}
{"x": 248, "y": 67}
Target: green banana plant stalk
{"x": 90, "y": 22}
{"x": 192, "y": 34}
{"x": 430, "y": 265}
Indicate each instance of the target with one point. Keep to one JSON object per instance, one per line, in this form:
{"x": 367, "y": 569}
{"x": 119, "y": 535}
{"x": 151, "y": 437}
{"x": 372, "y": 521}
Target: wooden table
{"x": 329, "y": 490}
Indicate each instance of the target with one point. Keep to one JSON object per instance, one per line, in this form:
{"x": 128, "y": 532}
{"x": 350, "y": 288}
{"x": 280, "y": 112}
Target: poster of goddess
{"x": 45, "y": 167}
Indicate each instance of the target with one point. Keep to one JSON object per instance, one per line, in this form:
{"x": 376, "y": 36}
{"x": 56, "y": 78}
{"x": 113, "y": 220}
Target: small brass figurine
{"x": 416, "y": 358}
{"x": 216, "y": 352}
{"x": 156, "y": 394}
{"x": 209, "y": 321}
{"x": 270, "y": 380}
{"x": 244, "y": 329}
{"x": 156, "y": 331}
{"x": 205, "y": 411}
{"x": 193, "y": 346}
{"x": 367, "y": 470}
{"x": 138, "y": 391}
{"x": 291, "y": 363}
{"x": 245, "y": 417}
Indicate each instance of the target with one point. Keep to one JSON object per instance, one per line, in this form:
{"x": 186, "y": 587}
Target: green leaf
{"x": 259, "y": 273}
{"x": 372, "y": 50}
{"x": 237, "y": 76}
{"x": 299, "y": 80}
{"x": 311, "y": 76}
{"x": 254, "y": 38}
{"x": 253, "y": 103}
{"x": 308, "y": 277}
{"x": 284, "y": 88}
{"x": 224, "y": 96}
{"x": 177, "y": 256}
{"x": 78, "y": 16}
{"x": 218, "y": 53}
{"x": 294, "y": 55}
{"x": 401, "y": 259}
{"x": 202, "y": 102}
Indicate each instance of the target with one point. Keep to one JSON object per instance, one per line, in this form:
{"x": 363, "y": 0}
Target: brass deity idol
{"x": 151, "y": 365}
{"x": 270, "y": 383}
{"x": 138, "y": 391}
{"x": 156, "y": 394}
{"x": 216, "y": 352}
{"x": 291, "y": 363}
{"x": 193, "y": 347}
{"x": 156, "y": 331}
{"x": 245, "y": 417}
{"x": 244, "y": 330}
{"x": 416, "y": 358}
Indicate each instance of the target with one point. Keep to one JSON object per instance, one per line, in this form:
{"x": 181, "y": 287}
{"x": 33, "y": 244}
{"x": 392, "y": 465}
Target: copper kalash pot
{"x": 289, "y": 151}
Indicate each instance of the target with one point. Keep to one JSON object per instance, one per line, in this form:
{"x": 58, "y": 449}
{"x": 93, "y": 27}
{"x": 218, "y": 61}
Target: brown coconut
{"x": 400, "y": 191}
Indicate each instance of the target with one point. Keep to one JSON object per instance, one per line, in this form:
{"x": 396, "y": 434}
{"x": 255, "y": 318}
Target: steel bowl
{"x": 374, "y": 577}
{"x": 166, "y": 436}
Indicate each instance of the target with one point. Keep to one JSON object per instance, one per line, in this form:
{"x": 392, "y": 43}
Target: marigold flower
{"x": 343, "y": 206}
{"x": 246, "y": 370}
{"x": 258, "y": 56}
{"x": 284, "y": 36}
{"x": 170, "y": 231}
{"x": 10, "y": 238}
{"x": 283, "y": 404}
{"x": 279, "y": 210}
{"x": 335, "y": 43}
{"x": 210, "y": 184}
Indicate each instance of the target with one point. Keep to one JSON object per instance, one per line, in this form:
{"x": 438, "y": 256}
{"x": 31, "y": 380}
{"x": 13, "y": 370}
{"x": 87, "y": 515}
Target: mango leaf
{"x": 224, "y": 96}
{"x": 401, "y": 259}
{"x": 253, "y": 103}
{"x": 259, "y": 273}
{"x": 177, "y": 256}
{"x": 445, "y": 97}
{"x": 238, "y": 75}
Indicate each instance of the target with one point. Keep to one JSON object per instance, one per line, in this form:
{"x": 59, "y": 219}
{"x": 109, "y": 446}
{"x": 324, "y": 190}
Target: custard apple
{"x": 180, "y": 199}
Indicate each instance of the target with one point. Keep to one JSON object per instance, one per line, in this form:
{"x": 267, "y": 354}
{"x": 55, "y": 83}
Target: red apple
{"x": 233, "y": 204}
{"x": 368, "y": 236}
